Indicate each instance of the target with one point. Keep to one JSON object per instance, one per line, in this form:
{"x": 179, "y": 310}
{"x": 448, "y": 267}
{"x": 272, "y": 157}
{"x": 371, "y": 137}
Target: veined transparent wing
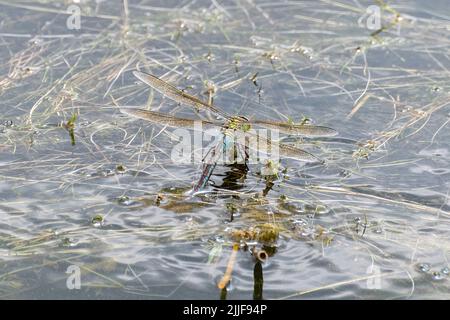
{"x": 297, "y": 129}
{"x": 166, "y": 120}
{"x": 177, "y": 95}
{"x": 267, "y": 146}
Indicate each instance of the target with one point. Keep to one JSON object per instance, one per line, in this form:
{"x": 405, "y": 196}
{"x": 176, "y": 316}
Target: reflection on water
{"x": 84, "y": 187}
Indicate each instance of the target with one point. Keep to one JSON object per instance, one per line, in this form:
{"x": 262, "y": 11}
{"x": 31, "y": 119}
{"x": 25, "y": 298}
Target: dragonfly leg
{"x": 209, "y": 164}
{"x": 244, "y": 151}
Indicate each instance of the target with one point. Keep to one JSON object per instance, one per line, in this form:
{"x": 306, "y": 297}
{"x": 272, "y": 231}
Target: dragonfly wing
{"x": 297, "y": 129}
{"x": 266, "y": 146}
{"x": 166, "y": 120}
{"x": 297, "y": 153}
{"x": 177, "y": 95}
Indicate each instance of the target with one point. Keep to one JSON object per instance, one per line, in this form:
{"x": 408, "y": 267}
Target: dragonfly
{"x": 230, "y": 126}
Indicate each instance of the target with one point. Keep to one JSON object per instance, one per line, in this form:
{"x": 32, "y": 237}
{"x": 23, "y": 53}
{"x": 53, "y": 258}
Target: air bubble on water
{"x": 68, "y": 242}
{"x": 378, "y": 230}
{"x": 85, "y": 123}
{"x": 307, "y": 232}
{"x": 236, "y": 215}
{"x": 438, "y": 276}
{"x": 97, "y": 224}
{"x": 97, "y": 221}
{"x": 436, "y": 89}
{"x": 105, "y": 173}
{"x": 344, "y": 173}
{"x": 120, "y": 168}
{"x": 219, "y": 239}
{"x": 299, "y": 223}
{"x": 424, "y": 267}
{"x": 36, "y": 41}
{"x": 321, "y": 209}
{"x": 125, "y": 201}
{"x": 230, "y": 286}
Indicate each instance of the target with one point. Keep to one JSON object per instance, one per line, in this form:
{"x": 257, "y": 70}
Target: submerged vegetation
{"x": 82, "y": 184}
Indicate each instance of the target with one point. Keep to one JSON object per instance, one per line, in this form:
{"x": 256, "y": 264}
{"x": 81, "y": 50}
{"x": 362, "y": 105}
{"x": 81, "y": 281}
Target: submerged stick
{"x": 227, "y": 276}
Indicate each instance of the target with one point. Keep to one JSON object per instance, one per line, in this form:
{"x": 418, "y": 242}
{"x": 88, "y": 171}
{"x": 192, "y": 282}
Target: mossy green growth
{"x": 97, "y": 219}
{"x": 268, "y": 233}
{"x": 120, "y": 168}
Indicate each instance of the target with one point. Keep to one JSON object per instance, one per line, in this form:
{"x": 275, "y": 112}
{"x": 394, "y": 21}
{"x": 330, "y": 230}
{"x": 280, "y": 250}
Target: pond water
{"x": 93, "y": 207}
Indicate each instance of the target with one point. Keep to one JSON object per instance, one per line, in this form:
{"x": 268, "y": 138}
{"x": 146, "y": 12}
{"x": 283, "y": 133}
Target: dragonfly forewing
{"x": 177, "y": 95}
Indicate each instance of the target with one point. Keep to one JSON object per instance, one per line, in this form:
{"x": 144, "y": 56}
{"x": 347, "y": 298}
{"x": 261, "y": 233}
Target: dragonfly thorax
{"x": 238, "y": 123}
